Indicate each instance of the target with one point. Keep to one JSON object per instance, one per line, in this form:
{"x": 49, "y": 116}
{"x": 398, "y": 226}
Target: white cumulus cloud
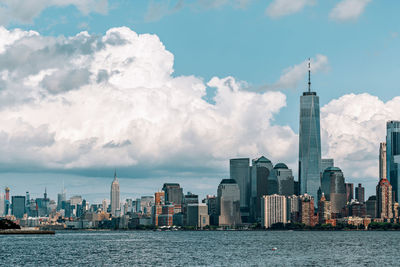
{"x": 279, "y": 8}
{"x": 352, "y": 128}
{"x": 90, "y": 101}
{"x": 348, "y": 9}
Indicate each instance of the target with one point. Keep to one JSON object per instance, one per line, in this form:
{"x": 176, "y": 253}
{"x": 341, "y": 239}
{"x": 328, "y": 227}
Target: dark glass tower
{"x": 309, "y": 143}
{"x": 393, "y": 155}
{"x": 240, "y": 172}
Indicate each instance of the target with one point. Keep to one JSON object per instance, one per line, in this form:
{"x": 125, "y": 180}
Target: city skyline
{"x": 174, "y": 105}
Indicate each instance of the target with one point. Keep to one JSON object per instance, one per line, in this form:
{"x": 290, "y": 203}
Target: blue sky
{"x": 251, "y": 46}
{"x": 242, "y": 39}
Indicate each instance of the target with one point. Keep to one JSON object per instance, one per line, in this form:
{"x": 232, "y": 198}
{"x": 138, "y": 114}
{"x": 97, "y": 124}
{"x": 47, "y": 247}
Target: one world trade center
{"x": 309, "y": 142}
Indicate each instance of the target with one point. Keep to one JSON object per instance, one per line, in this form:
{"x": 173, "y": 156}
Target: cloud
{"x": 24, "y": 11}
{"x": 352, "y": 128}
{"x": 292, "y": 76}
{"x": 347, "y": 10}
{"x": 279, "y": 8}
{"x": 88, "y": 102}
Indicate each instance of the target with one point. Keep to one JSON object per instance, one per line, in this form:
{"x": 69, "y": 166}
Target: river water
{"x": 202, "y": 248}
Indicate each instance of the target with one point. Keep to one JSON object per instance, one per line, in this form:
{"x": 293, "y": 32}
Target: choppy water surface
{"x": 230, "y": 248}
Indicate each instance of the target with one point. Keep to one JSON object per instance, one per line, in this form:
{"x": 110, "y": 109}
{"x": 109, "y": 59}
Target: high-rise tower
{"x": 382, "y": 161}
{"x": 393, "y": 155}
{"x": 240, "y": 172}
{"x": 309, "y": 142}
{"x": 114, "y": 195}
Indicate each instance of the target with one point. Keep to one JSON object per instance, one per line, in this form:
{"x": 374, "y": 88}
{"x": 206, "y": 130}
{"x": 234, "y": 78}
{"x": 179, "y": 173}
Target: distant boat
{"x": 273, "y": 249}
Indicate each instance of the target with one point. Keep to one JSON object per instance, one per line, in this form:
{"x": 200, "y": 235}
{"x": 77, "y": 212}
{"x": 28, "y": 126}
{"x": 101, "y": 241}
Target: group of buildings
{"x": 257, "y": 193}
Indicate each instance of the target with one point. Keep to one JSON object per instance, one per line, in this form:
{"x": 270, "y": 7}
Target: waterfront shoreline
{"x": 27, "y": 232}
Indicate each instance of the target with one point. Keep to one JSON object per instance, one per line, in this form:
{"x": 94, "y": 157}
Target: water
{"x": 217, "y": 248}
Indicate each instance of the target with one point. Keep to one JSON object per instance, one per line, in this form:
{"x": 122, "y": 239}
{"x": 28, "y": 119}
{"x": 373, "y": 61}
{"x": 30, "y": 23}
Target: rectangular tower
{"x": 309, "y": 143}
{"x": 240, "y": 172}
{"x": 382, "y": 161}
{"x": 392, "y": 150}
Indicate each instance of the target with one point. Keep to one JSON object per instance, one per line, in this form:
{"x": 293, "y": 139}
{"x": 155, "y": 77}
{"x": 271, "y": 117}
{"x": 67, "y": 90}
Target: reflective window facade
{"x": 240, "y": 172}
{"x": 309, "y": 144}
{"x": 333, "y": 186}
{"x": 393, "y": 150}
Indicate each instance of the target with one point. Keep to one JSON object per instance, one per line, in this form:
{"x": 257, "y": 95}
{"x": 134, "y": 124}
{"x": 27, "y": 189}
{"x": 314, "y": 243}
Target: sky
{"x": 169, "y": 91}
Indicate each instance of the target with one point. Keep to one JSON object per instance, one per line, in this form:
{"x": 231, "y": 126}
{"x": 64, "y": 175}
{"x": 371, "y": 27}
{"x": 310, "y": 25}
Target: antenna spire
{"x": 309, "y": 75}
{"x": 115, "y": 173}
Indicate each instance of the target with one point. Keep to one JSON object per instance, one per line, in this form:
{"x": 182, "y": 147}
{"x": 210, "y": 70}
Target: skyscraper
{"x": 372, "y": 208}
{"x": 228, "y": 203}
{"x": 324, "y": 209}
{"x": 309, "y": 142}
{"x": 114, "y": 195}
{"x": 173, "y": 193}
{"x": 307, "y": 210}
{"x": 393, "y": 150}
{"x": 273, "y": 210}
{"x": 349, "y": 191}
{"x": 360, "y": 193}
{"x": 239, "y": 170}
{"x": 262, "y": 183}
{"x": 384, "y": 199}
{"x": 333, "y": 187}
{"x": 285, "y": 179}
{"x": 18, "y": 206}
{"x": 2, "y": 204}
{"x": 7, "y": 201}
{"x": 382, "y": 161}
{"x": 326, "y": 163}
{"x": 159, "y": 198}
{"x": 61, "y": 197}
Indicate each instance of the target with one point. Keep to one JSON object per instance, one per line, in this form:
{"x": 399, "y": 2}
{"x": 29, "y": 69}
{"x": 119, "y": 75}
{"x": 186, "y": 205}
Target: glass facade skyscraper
{"x": 240, "y": 172}
{"x": 393, "y": 150}
{"x": 309, "y": 144}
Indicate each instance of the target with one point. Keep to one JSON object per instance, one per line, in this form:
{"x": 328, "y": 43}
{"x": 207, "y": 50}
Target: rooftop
{"x": 281, "y": 166}
{"x": 228, "y": 181}
{"x": 333, "y": 169}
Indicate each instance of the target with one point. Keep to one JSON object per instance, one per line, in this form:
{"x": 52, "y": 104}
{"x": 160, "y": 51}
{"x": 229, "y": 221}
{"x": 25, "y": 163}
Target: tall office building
{"x": 393, "y": 150}
{"x": 197, "y": 215}
{"x": 384, "y": 199}
{"x": 372, "y": 207}
{"x": 262, "y": 183}
{"x": 61, "y": 197}
{"x": 18, "y": 206}
{"x": 382, "y": 161}
{"x": 146, "y": 203}
{"x": 159, "y": 198}
{"x": 333, "y": 186}
{"x": 307, "y": 210}
{"x": 27, "y": 200}
{"x": 273, "y": 210}
{"x": 285, "y": 179}
{"x": 114, "y": 195}
{"x": 239, "y": 170}
{"x": 2, "y": 204}
{"x": 326, "y": 163}
{"x": 309, "y": 143}
{"x": 7, "y": 201}
{"x": 173, "y": 193}
{"x": 349, "y": 191}
{"x": 293, "y": 209}
{"x": 360, "y": 193}
{"x": 324, "y": 209}
{"x": 43, "y": 205}
{"x": 212, "y": 204}
{"x": 228, "y": 203}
